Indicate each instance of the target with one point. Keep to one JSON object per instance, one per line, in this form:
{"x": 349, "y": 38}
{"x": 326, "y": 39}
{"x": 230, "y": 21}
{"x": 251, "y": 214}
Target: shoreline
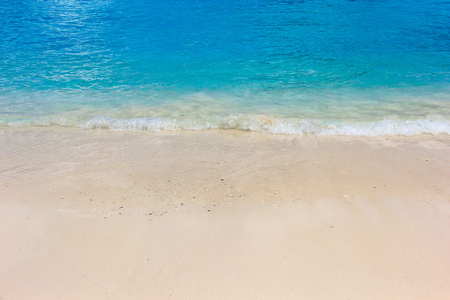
{"x": 435, "y": 124}
{"x": 223, "y": 214}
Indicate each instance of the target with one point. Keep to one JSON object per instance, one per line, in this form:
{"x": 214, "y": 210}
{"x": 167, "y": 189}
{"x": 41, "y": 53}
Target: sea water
{"x": 317, "y": 67}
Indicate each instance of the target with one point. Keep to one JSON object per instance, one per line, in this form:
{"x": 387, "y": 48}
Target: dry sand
{"x": 222, "y": 215}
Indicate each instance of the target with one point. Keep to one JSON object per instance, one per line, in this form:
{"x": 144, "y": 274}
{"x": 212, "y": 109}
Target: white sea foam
{"x": 248, "y": 122}
{"x": 146, "y": 123}
{"x": 261, "y": 123}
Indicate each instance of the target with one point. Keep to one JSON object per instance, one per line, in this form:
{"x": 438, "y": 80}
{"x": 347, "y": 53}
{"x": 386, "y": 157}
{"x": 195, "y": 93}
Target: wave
{"x": 261, "y": 123}
{"x": 256, "y": 123}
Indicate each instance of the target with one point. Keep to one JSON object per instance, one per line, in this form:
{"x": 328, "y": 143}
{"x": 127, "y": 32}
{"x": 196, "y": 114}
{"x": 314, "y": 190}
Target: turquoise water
{"x": 296, "y": 67}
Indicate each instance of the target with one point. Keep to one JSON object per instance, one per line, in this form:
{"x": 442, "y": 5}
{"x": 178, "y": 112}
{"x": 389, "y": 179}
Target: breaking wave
{"x": 256, "y": 123}
{"x": 261, "y": 123}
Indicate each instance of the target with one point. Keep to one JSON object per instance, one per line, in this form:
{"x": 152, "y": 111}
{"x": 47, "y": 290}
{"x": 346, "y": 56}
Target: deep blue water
{"x": 337, "y": 67}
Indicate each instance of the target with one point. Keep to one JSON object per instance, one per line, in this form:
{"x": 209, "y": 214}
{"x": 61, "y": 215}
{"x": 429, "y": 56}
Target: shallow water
{"x": 300, "y": 67}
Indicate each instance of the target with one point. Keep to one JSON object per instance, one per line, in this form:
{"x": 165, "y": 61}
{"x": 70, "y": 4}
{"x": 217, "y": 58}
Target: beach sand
{"x": 94, "y": 214}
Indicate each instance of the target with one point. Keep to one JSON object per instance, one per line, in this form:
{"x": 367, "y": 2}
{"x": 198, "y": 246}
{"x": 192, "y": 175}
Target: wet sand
{"x": 222, "y": 215}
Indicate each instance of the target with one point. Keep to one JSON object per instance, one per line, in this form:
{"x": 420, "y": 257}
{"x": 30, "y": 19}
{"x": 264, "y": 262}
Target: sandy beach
{"x": 95, "y": 214}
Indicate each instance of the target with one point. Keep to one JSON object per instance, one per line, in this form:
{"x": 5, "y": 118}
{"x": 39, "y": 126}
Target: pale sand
{"x": 222, "y": 215}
